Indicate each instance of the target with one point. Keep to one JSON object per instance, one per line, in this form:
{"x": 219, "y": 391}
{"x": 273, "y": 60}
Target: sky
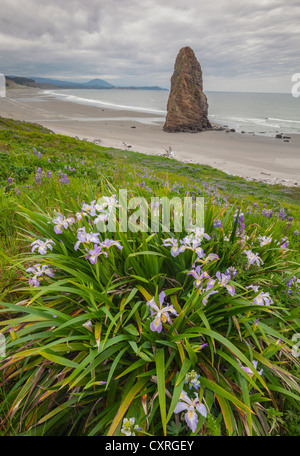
{"x": 241, "y": 45}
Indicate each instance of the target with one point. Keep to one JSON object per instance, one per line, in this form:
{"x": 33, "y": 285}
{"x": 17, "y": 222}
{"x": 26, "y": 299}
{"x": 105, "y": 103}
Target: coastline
{"x": 254, "y": 157}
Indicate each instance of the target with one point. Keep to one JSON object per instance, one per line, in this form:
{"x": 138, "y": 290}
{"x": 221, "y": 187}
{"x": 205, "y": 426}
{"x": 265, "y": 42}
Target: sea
{"x": 258, "y": 113}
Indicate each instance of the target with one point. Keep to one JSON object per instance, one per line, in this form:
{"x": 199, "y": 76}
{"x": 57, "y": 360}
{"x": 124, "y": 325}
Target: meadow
{"x": 142, "y": 333}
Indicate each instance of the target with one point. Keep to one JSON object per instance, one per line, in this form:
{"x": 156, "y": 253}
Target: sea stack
{"x": 187, "y": 104}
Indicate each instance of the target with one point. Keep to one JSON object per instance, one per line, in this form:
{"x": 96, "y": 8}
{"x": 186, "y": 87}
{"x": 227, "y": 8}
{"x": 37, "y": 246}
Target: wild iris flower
{"x": 95, "y": 252}
{"x": 253, "y": 258}
{"x": 212, "y": 292}
{"x": 107, "y": 243}
{"x": 210, "y": 257}
{"x": 42, "y": 246}
{"x": 253, "y": 287}
{"x": 79, "y": 215}
{"x": 160, "y": 313}
{"x": 200, "y": 277}
{"x": 249, "y": 371}
{"x": 223, "y": 282}
{"x": 172, "y": 242}
{"x": 99, "y": 246}
{"x": 191, "y": 405}
{"x": 103, "y": 217}
{"x": 203, "y": 260}
{"x": 108, "y": 202}
{"x": 263, "y": 299}
{"x": 61, "y": 222}
{"x": 37, "y": 271}
{"x": 263, "y": 240}
{"x": 105, "y": 205}
{"x": 191, "y": 243}
{"x": 86, "y": 238}
{"x": 199, "y": 233}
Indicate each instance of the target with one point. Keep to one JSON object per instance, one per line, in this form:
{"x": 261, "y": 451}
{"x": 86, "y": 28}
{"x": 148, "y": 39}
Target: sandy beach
{"x": 267, "y": 159}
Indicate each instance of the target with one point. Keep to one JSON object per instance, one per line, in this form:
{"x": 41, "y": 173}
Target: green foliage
{"x": 81, "y": 352}
{"x": 212, "y": 427}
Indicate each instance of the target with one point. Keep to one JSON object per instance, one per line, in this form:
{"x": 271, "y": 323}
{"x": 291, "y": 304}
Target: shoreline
{"x": 253, "y": 157}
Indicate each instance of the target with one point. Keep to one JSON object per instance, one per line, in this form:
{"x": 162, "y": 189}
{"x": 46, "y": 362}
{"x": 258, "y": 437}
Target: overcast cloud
{"x": 250, "y": 45}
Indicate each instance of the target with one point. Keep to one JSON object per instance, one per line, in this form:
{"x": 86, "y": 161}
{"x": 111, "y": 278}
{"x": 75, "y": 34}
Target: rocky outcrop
{"x": 187, "y": 107}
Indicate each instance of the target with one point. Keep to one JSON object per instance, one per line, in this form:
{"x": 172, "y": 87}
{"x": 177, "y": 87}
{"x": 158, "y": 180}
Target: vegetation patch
{"x": 135, "y": 332}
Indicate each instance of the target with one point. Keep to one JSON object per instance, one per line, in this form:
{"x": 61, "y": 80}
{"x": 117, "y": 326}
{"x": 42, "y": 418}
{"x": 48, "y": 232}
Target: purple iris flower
{"x": 61, "y": 222}
{"x": 87, "y": 238}
{"x": 210, "y": 257}
{"x": 263, "y": 299}
{"x": 38, "y": 271}
{"x": 42, "y": 246}
{"x": 191, "y": 406}
{"x": 249, "y": 371}
{"x": 263, "y": 240}
{"x": 253, "y": 258}
{"x": 172, "y": 242}
{"x": 199, "y": 275}
{"x": 95, "y": 252}
{"x": 160, "y": 312}
{"x": 223, "y": 282}
{"x": 212, "y": 292}
{"x": 107, "y": 243}
{"x": 33, "y": 282}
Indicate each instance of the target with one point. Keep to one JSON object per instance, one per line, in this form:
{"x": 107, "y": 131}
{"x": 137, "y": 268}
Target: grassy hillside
{"x": 139, "y": 324}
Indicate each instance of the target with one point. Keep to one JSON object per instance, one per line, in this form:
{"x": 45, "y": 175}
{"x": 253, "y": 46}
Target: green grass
{"x": 51, "y": 380}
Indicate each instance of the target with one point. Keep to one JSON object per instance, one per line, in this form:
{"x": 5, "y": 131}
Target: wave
{"x": 255, "y": 121}
{"x": 101, "y": 103}
{"x": 284, "y": 120}
{"x": 259, "y": 125}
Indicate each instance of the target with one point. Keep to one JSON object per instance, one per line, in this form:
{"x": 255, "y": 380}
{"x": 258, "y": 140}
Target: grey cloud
{"x": 137, "y": 41}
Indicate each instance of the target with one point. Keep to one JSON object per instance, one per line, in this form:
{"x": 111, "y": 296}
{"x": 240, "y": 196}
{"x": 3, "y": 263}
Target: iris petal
{"x": 191, "y": 419}
{"x": 201, "y": 409}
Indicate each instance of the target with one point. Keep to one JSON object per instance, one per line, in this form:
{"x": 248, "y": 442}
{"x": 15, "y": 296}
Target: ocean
{"x": 258, "y": 113}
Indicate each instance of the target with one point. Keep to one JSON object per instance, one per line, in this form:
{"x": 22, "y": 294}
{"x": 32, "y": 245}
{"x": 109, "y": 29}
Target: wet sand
{"x": 262, "y": 158}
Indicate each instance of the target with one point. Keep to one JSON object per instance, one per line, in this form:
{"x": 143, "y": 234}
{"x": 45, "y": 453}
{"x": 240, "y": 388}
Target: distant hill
{"x": 14, "y": 81}
{"x": 49, "y": 83}
{"x": 97, "y": 83}
{"x": 93, "y": 84}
